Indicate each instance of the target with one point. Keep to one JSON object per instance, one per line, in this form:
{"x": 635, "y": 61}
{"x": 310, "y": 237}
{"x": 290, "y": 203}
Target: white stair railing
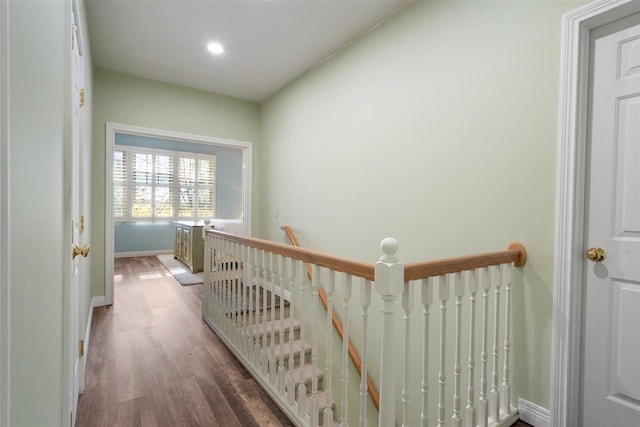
{"x": 260, "y": 302}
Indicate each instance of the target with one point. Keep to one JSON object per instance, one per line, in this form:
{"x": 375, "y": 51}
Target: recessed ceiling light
{"x": 215, "y": 48}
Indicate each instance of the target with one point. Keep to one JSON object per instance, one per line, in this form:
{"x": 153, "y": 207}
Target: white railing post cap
{"x": 389, "y": 273}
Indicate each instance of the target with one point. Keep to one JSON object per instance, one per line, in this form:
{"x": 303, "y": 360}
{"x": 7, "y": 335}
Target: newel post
{"x": 389, "y": 282}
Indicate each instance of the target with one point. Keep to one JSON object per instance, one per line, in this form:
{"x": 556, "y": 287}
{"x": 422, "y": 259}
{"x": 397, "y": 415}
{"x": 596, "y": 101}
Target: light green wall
{"x": 439, "y": 129}
{"x": 37, "y": 106}
{"x": 134, "y": 101}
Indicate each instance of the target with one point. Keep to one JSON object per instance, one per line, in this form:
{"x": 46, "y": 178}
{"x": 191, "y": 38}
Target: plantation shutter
{"x": 142, "y": 173}
{"x": 119, "y": 183}
{"x": 187, "y": 186}
{"x": 164, "y": 186}
{"x": 206, "y": 187}
{"x": 154, "y": 184}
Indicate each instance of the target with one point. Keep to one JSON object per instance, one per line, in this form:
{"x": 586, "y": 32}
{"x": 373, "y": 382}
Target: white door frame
{"x": 570, "y": 198}
{"x": 4, "y": 215}
{"x": 113, "y": 129}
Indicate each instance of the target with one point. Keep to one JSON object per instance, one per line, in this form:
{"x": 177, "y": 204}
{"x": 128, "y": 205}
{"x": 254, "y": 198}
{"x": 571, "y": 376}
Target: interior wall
{"x": 125, "y": 99}
{"x": 38, "y": 55}
{"x": 437, "y": 128}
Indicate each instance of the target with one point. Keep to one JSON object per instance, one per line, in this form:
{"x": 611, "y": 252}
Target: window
{"x": 150, "y": 184}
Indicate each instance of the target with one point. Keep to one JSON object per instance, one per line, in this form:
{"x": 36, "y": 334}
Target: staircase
{"x": 274, "y": 342}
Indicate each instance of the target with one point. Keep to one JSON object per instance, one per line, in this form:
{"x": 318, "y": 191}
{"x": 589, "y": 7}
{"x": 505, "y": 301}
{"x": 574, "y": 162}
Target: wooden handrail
{"x": 355, "y": 358}
{"x": 516, "y": 253}
{"x": 333, "y": 262}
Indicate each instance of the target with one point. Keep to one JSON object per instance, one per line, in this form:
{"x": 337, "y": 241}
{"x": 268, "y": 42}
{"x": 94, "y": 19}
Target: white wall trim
{"x": 87, "y": 336}
{"x": 142, "y": 253}
{"x": 113, "y": 128}
{"x": 570, "y": 196}
{"x": 5, "y": 265}
{"x": 98, "y": 301}
{"x": 533, "y": 414}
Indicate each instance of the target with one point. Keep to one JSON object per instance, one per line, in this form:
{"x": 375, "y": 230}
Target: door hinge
{"x": 81, "y": 225}
{"x": 80, "y": 348}
{"x": 81, "y": 97}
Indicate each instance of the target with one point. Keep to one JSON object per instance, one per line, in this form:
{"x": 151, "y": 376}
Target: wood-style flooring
{"x": 152, "y": 361}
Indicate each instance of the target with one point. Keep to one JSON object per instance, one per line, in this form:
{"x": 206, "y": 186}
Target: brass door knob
{"x": 80, "y": 250}
{"x": 596, "y": 254}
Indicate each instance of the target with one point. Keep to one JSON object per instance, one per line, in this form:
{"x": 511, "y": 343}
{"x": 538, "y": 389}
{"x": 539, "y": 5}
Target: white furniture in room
{"x": 188, "y": 244}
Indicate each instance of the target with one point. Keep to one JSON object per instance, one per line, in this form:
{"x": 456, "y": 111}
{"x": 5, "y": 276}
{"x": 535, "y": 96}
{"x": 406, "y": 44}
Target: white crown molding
{"x": 5, "y": 379}
{"x": 570, "y": 187}
{"x": 113, "y": 128}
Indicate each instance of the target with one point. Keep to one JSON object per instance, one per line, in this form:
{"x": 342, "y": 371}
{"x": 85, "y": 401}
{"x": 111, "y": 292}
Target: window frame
{"x": 130, "y": 151}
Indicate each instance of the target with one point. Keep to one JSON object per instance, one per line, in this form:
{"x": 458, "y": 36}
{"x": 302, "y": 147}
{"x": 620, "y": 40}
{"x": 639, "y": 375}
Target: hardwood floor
{"x": 152, "y": 361}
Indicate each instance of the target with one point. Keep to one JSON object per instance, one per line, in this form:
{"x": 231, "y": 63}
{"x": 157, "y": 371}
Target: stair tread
{"x": 322, "y": 400}
{"x": 298, "y": 346}
{"x": 286, "y": 325}
{"x": 308, "y": 373}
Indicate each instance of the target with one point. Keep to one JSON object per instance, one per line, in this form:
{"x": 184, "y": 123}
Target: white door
{"x": 75, "y": 307}
{"x": 610, "y": 371}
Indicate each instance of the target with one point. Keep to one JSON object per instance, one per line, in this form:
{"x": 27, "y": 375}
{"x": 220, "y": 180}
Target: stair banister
{"x": 388, "y": 284}
{"x": 488, "y": 275}
{"x": 353, "y": 354}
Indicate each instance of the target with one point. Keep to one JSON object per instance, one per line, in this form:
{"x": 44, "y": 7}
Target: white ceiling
{"x": 268, "y": 43}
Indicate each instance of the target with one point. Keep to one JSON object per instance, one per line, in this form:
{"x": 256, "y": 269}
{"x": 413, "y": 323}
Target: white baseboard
{"x": 87, "y": 335}
{"x": 142, "y": 253}
{"x": 98, "y": 301}
{"x": 533, "y": 414}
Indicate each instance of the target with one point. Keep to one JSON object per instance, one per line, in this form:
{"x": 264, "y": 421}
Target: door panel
{"x": 610, "y": 373}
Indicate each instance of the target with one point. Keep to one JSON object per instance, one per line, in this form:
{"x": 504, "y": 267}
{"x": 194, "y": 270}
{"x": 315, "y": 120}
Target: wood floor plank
{"x": 152, "y": 361}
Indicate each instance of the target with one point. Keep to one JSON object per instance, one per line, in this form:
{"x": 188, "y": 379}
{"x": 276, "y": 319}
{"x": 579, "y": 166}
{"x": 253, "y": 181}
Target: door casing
{"x": 4, "y": 214}
{"x": 570, "y": 202}
{"x": 114, "y": 128}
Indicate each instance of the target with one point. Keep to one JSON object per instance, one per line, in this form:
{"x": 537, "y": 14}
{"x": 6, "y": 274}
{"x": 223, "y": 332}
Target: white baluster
{"x": 506, "y": 386}
{"x": 344, "y": 374}
{"x": 245, "y": 299}
{"x": 250, "y": 274}
{"x": 427, "y": 300}
{"x": 239, "y": 301}
{"x": 302, "y": 388}
{"x": 281, "y": 369}
{"x": 458, "y": 289}
{"x": 294, "y": 266}
{"x": 236, "y": 295}
{"x": 206, "y": 278}
{"x": 494, "y": 394}
{"x": 225, "y": 286}
{"x": 442, "y": 374}
{"x": 314, "y": 346}
{"x": 483, "y": 404}
{"x": 328, "y": 364}
{"x": 264, "y": 355}
{"x": 365, "y": 303}
{"x": 217, "y": 301}
{"x": 257, "y": 305}
{"x": 389, "y": 281}
{"x": 470, "y": 418}
{"x": 407, "y": 306}
{"x": 272, "y": 342}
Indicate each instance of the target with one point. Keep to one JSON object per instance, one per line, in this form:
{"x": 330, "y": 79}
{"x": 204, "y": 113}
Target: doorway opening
{"x": 116, "y": 133}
